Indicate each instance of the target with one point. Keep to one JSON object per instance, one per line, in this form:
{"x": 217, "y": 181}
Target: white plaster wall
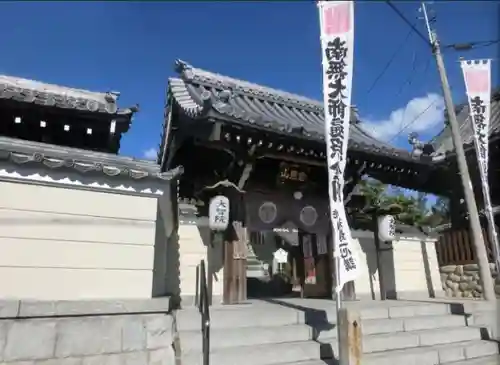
{"x": 410, "y": 269}
{"x": 194, "y": 246}
{"x": 62, "y": 243}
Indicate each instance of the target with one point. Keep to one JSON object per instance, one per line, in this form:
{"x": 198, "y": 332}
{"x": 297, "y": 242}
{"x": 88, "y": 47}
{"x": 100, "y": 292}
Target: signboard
{"x": 337, "y": 45}
{"x": 477, "y": 76}
{"x": 281, "y": 256}
{"x": 310, "y": 269}
{"x": 218, "y": 213}
{"x": 289, "y": 172}
{"x": 307, "y": 247}
{"x": 321, "y": 244}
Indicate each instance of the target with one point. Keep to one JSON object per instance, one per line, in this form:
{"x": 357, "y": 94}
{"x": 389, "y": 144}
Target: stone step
{"x": 392, "y": 325}
{"x": 248, "y": 336}
{"x": 311, "y": 353}
{"x": 488, "y": 360}
{"x": 239, "y": 317}
{"x": 415, "y": 339}
{"x": 248, "y": 315}
{"x": 269, "y": 354}
{"x": 387, "y": 342}
{"x": 432, "y": 355}
{"x": 245, "y": 340}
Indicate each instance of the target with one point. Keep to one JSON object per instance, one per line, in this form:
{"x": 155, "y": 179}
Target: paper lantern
{"x": 218, "y": 213}
{"x": 386, "y": 228}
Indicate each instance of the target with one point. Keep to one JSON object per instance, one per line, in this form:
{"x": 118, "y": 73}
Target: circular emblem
{"x": 308, "y": 215}
{"x": 92, "y": 105}
{"x": 268, "y": 212}
{"x": 38, "y": 157}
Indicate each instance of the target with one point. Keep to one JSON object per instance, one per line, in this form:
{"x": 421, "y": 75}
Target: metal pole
{"x": 338, "y": 302}
{"x": 381, "y": 279}
{"x": 475, "y": 225}
{"x": 491, "y": 224}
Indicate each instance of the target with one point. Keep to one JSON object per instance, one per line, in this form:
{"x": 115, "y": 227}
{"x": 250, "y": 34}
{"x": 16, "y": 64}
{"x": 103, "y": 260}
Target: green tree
{"x": 412, "y": 207}
{"x": 440, "y": 212}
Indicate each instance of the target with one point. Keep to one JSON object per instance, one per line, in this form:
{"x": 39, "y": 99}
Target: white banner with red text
{"x": 477, "y": 76}
{"x": 337, "y": 42}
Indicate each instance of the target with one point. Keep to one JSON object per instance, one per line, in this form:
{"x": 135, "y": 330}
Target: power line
{"x": 409, "y": 81}
{"x": 408, "y": 125}
{"x": 471, "y": 45}
{"x": 401, "y": 15}
{"x": 388, "y": 64}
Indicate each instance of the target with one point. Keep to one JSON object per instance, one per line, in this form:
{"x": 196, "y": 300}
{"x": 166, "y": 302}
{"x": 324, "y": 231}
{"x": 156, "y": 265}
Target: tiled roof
{"x": 443, "y": 141}
{"x": 83, "y": 161}
{"x": 30, "y": 91}
{"x": 202, "y": 93}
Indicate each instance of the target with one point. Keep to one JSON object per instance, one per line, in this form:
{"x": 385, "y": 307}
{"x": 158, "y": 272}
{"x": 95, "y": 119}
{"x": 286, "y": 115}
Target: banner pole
{"x": 338, "y": 302}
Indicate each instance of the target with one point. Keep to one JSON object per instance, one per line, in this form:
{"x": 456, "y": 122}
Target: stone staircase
{"x": 255, "y": 267}
{"x": 291, "y": 333}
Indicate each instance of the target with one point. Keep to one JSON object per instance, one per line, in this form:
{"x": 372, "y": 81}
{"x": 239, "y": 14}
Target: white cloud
{"x": 151, "y": 154}
{"x": 423, "y": 115}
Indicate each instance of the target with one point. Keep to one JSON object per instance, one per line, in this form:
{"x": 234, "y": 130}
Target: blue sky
{"x": 131, "y": 47}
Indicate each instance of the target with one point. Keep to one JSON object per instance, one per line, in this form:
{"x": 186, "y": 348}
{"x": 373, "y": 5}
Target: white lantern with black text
{"x": 386, "y": 228}
{"x": 218, "y": 213}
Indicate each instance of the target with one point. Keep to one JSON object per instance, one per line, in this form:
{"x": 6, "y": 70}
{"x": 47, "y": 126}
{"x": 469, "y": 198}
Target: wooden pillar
{"x": 350, "y": 342}
{"x": 227, "y": 289}
{"x": 235, "y": 265}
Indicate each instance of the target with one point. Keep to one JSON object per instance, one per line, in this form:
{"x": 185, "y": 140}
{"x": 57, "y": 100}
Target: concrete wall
{"x": 85, "y": 333}
{"x": 193, "y": 246}
{"x": 462, "y": 281}
{"x": 65, "y": 243}
{"x": 410, "y": 268}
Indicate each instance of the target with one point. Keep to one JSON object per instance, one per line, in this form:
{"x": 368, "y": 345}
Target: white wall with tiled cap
{"x": 63, "y": 243}
{"x": 410, "y": 268}
{"x": 405, "y": 271}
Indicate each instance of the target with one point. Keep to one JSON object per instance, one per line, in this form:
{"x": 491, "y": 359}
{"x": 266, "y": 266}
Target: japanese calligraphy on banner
{"x": 477, "y": 75}
{"x": 337, "y": 41}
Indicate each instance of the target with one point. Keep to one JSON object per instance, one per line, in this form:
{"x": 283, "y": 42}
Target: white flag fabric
{"x": 477, "y": 76}
{"x": 337, "y": 41}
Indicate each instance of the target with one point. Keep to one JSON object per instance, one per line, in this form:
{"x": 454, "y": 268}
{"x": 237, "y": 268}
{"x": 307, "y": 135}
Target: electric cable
{"x": 389, "y": 63}
{"x": 470, "y": 45}
{"x": 401, "y": 15}
{"x": 409, "y": 124}
{"x": 409, "y": 81}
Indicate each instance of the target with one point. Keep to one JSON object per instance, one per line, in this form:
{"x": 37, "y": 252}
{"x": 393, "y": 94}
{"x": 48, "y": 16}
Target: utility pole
{"x": 475, "y": 225}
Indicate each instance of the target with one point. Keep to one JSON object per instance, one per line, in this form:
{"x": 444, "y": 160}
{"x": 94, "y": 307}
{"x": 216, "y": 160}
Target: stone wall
{"x": 86, "y": 333}
{"x": 463, "y": 280}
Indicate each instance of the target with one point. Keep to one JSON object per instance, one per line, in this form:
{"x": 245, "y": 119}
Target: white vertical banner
{"x": 477, "y": 76}
{"x": 337, "y": 42}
